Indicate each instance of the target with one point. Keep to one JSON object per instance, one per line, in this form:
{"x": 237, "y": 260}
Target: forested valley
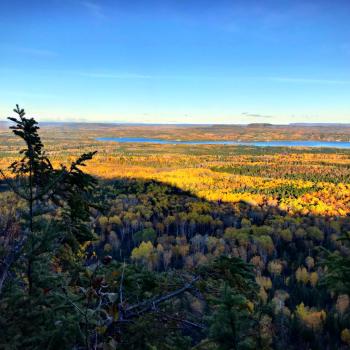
{"x": 123, "y": 246}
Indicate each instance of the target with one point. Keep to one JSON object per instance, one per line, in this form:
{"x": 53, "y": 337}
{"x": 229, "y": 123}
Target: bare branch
{"x": 121, "y": 285}
{"x": 145, "y": 306}
{"x": 12, "y": 187}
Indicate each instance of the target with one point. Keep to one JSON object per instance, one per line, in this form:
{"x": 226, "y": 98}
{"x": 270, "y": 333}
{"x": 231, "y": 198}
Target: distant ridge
{"x": 259, "y": 125}
{"x": 4, "y": 123}
{"x": 320, "y": 124}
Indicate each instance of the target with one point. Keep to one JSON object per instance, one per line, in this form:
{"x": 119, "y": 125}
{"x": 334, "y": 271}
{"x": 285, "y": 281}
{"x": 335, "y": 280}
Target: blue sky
{"x": 217, "y": 61}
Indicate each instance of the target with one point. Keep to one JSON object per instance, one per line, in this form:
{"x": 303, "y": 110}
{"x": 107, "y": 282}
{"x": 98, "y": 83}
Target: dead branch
{"x": 148, "y": 305}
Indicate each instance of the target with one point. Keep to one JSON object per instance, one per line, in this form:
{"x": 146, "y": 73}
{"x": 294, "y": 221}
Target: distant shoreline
{"x": 287, "y": 143}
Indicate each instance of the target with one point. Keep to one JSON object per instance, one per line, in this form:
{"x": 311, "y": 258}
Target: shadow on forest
{"x": 171, "y": 211}
{"x": 283, "y": 248}
{"x": 186, "y": 231}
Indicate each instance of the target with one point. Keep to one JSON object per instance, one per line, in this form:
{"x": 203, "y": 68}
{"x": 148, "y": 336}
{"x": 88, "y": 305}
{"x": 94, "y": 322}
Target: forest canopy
{"x": 170, "y": 247}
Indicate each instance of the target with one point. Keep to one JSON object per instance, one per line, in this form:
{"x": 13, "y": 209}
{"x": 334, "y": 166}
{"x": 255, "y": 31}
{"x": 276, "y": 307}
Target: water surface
{"x": 297, "y": 143}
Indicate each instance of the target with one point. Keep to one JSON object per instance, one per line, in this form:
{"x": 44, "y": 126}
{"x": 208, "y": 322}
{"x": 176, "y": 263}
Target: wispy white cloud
{"x": 94, "y": 9}
{"x": 33, "y": 51}
{"x": 309, "y": 80}
{"x": 120, "y": 75}
{"x": 115, "y": 75}
{"x": 256, "y": 115}
{"x": 101, "y": 75}
{"x": 282, "y": 79}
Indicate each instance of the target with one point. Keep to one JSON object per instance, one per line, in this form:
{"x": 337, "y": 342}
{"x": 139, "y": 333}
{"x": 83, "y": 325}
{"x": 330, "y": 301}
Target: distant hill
{"x": 259, "y": 125}
{"x": 321, "y": 124}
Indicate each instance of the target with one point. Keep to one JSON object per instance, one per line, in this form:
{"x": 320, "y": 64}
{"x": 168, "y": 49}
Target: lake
{"x": 297, "y": 143}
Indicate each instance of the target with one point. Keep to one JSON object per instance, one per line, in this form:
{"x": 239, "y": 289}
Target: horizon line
{"x": 187, "y": 124}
